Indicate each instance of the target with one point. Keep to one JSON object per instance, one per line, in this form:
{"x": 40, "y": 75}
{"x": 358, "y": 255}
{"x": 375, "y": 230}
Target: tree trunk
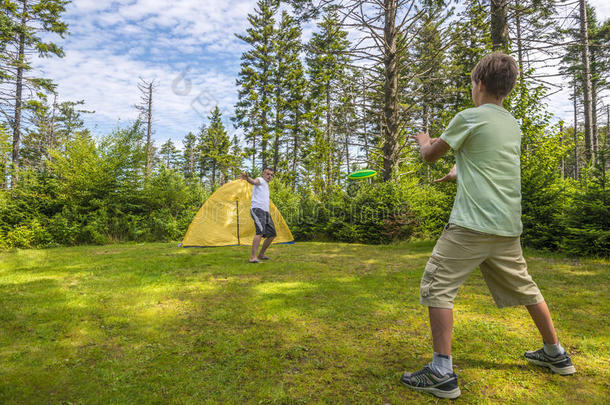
{"x": 278, "y": 129}
{"x": 51, "y": 143}
{"x": 499, "y": 26}
{"x": 148, "y": 130}
{"x": 366, "y": 140}
{"x": 519, "y": 43}
{"x": 563, "y": 163}
{"x": 328, "y": 137}
{"x": 390, "y": 102}
{"x": 295, "y": 139}
{"x": 213, "y": 174}
{"x": 19, "y": 90}
{"x": 519, "y": 50}
{"x": 584, "y": 37}
{"x": 594, "y": 118}
{"x": 575, "y": 132}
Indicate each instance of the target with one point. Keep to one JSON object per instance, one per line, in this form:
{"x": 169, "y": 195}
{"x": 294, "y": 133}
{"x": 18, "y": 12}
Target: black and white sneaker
{"x": 561, "y": 364}
{"x": 442, "y": 386}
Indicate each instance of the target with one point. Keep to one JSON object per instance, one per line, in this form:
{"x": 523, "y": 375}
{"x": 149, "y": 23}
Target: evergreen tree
{"x": 235, "y": 158}
{"x": 327, "y": 61}
{"x": 471, "y": 41}
{"x": 31, "y": 18}
{"x": 291, "y": 88}
{"x": 216, "y": 148}
{"x": 189, "y": 156}
{"x": 168, "y": 153}
{"x": 255, "y": 81}
{"x": 52, "y": 127}
{"x": 201, "y": 161}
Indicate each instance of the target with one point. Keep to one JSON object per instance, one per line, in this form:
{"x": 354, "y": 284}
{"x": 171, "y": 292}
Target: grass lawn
{"x": 319, "y": 323}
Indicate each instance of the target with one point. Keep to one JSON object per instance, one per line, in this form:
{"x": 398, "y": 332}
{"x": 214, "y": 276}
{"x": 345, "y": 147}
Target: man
{"x": 260, "y": 213}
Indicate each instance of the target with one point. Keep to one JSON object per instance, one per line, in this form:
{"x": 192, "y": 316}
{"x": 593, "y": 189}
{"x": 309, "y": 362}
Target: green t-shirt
{"x": 487, "y": 145}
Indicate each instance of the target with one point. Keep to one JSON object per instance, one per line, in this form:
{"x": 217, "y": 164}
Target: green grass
{"x": 319, "y": 323}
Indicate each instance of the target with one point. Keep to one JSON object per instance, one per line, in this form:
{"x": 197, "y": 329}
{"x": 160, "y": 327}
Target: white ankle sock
{"x": 553, "y": 350}
{"x": 441, "y": 364}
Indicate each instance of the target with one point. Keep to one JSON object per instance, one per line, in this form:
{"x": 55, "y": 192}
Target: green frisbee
{"x": 362, "y": 174}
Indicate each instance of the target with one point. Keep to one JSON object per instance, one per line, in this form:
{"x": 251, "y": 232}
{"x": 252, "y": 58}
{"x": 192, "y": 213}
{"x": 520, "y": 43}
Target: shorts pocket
{"x": 427, "y": 279}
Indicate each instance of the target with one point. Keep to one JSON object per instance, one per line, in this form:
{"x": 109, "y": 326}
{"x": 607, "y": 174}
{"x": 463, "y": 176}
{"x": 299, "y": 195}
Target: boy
{"x": 483, "y": 228}
{"x": 259, "y": 210}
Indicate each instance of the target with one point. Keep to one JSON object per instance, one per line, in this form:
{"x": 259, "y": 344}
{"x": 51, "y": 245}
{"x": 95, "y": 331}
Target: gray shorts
{"x": 263, "y": 223}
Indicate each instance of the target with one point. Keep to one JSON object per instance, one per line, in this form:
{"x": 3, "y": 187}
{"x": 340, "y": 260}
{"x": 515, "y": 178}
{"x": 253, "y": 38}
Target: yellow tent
{"x": 224, "y": 219}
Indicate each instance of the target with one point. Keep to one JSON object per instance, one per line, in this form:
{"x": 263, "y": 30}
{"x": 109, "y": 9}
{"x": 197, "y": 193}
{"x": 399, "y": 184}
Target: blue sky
{"x": 187, "y": 46}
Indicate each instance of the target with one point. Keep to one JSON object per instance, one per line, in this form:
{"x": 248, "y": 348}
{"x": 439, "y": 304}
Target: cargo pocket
{"x": 427, "y": 279}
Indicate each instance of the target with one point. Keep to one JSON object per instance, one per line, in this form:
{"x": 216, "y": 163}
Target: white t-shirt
{"x": 260, "y": 195}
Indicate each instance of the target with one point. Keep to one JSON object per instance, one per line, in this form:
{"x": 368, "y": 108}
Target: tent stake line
{"x": 237, "y": 205}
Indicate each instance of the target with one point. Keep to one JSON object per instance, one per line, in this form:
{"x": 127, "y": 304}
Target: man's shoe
{"x": 442, "y": 386}
{"x": 561, "y": 364}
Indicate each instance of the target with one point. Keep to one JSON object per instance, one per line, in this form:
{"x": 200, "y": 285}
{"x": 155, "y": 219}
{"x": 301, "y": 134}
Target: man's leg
{"x": 266, "y": 244}
{"x": 255, "y": 242}
{"x": 542, "y": 318}
{"x": 441, "y": 325}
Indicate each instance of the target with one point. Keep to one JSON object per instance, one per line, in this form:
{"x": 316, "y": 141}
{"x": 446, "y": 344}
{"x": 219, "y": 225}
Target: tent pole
{"x": 237, "y": 205}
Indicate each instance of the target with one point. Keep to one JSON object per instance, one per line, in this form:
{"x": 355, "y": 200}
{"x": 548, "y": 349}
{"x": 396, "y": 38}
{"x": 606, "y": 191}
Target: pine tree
{"x": 169, "y": 154}
{"x": 471, "y": 40}
{"x": 52, "y": 127}
{"x": 290, "y": 90}
{"x": 31, "y": 18}
{"x": 216, "y": 148}
{"x": 255, "y": 81}
{"x": 189, "y": 156}
{"x": 327, "y": 61}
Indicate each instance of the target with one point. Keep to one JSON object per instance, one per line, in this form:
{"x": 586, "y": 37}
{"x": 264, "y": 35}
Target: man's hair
{"x": 268, "y": 168}
{"x": 498, "y": 72}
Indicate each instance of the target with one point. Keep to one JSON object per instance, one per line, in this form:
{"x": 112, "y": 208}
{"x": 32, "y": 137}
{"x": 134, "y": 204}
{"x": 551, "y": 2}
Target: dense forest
{"x": 373, "y": 73}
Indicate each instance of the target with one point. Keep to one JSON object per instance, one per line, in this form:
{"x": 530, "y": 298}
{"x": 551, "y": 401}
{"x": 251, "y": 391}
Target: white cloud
{"x": 113, "y": 43}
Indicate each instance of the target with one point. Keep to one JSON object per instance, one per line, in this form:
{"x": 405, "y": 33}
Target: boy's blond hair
{"x": 498, "y": 72}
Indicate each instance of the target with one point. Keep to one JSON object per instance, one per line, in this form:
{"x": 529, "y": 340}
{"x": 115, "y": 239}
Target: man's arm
{"x": 245, "y": 176}
{"x": 431, "y": 149}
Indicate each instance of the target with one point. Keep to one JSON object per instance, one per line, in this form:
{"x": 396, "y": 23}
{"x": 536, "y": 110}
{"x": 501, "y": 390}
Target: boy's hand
{"x": 422, "y": 138}
{"x": 244, "y": 176}
{"x": 431, "y": 149}
{"x": 452, "y": 175}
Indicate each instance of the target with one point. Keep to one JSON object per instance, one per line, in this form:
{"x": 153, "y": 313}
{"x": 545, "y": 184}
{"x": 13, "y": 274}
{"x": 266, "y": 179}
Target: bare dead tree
{"x": 147, "y": 89}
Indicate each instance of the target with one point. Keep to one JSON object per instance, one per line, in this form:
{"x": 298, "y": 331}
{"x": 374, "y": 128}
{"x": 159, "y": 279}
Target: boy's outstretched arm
{"x": 245, "y": 176}
{"x": 431, "y": 149}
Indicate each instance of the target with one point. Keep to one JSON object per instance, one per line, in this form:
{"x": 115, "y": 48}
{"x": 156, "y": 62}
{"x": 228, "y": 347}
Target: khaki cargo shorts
{"x": 459, "y": 251}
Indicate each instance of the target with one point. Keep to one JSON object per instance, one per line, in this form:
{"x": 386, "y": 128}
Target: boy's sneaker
{"x": 561, "y": 364}
{"x": 442, "y": 386}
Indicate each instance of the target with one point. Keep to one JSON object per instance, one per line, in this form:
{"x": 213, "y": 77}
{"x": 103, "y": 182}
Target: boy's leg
{"x": 456, "y": 254}
{"x": 542, "y": 318}
{"x": 506, "y": 275}
{"x": 552, "y": 355}
{"x": 441, "y": 325}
